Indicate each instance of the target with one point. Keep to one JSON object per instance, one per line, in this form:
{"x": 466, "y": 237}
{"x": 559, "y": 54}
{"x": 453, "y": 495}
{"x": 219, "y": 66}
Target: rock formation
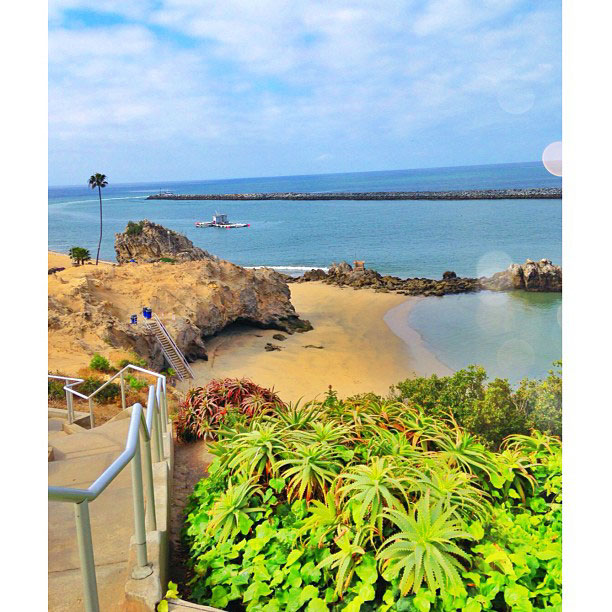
{"x": 147, "y": 242}
{"x": 530, "y": 276}
{"x": 343, "y": 275}
{"x": 89, "y": 307}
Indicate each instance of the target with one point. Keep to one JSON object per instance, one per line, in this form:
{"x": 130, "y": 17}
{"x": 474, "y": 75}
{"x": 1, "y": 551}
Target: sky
{"x": 144, "y": 90}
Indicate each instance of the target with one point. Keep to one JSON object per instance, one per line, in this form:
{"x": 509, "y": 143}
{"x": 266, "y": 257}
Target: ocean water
{"x": 513, "y": 335}
{"x": 412, "y": 238}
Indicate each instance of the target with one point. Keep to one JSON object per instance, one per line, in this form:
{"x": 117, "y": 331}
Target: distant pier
{"x": 539, "y": 193}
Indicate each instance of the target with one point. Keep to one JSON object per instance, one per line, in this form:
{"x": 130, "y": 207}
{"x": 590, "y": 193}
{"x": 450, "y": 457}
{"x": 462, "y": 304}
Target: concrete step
{"x": 80, "y": 458}
{"x": 56, "y": 424}
{"x": 56, "y": 435}
{"x": 107, "y": 438}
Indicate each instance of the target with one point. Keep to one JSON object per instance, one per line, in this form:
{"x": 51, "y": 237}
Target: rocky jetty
{"x": 148, "y": 242}
{"x": 469, "y": 194}
{"x": 89, "y": 307}
{"x": 530, "y": 276}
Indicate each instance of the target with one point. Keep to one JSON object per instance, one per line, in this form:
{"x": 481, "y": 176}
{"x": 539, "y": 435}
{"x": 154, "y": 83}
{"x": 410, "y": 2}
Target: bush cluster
{"x": 493, "y": 410}
{"x": 364, "y": 504}
{"x": 134, "y": 229}
{"x": 110, "y": 393}
{"x": 221, "y": 403}
{"x": 100, "y": 363}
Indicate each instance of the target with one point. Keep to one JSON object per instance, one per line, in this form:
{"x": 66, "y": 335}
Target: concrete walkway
{"x": 78, "y": 459}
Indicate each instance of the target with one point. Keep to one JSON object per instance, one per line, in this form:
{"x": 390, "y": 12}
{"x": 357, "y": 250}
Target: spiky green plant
{"x": 309, "y": 470}
{"x": 329, "y": 432}
{"x": 460, "y": 448}
{"x": 455, "y": 488}
{"x": 230, "y": 513}
{"x": 419, "y": 427}
{"x": 424, "y": 549}
{"x": 374, "y": 486}
{"x": 392, "y": 443}
{"x": 256, "y": 451}
{"x": 297, "y": 416}
{"x": 534, "y": 443}
{"x": 324, "y": 517}
{"x": 345, "y": 559}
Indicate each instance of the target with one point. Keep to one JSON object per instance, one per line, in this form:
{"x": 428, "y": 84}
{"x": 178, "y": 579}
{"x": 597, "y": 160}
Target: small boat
{"x": 220, "y": 220}
{"x": 166, "y": 193}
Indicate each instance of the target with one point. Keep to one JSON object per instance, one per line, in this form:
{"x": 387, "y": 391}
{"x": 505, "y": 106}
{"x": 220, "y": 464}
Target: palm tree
{"x": 98, "y": 180}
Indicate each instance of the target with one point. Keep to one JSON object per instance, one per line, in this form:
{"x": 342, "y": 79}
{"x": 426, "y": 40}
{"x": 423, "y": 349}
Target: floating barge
{"x": 220, "y": 220}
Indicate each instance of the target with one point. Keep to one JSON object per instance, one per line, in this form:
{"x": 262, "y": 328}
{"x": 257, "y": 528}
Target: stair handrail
{"x": 140, "y": 424}
{"x": 174, "y": 346}
{"x": 70, "y": 392}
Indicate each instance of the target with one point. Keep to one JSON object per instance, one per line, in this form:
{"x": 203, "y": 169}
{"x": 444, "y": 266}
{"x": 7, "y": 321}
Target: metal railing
{"x": 179, "y": 354}
{"x": 143, "y": 430}
{"x": 70, "y": 393}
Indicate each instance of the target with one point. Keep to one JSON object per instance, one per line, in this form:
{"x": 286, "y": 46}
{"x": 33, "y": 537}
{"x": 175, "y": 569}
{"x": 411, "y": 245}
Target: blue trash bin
{"x": 134, "y": 319}
{"x": 146, "y": 313}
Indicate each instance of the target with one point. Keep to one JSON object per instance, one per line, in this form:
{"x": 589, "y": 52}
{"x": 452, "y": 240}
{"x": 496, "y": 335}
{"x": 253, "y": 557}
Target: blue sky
{"x": 195, "y": 89}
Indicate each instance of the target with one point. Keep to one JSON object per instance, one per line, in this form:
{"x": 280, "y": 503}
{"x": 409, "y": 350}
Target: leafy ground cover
{"x": 369, "y": 504}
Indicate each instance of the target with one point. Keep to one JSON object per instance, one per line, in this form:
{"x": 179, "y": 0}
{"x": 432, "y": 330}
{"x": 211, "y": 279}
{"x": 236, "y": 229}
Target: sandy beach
{"x": 360, "y": 342}
{"x": 359, "y": 353}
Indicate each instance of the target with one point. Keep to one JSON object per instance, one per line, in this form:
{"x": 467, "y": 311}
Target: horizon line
{"x": 243, "y": 178}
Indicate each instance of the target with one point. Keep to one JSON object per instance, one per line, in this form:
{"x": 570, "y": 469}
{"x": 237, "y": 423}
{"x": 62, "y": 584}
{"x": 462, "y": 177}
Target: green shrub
{"x": 100, "y": 363}
{"x": 167, "y": 260}
{"x": 542, "y": 401}
{"x": 107, "y": 395}
{"x": 371, "y": 504}
{"x": 55, "y": 388}
{"x": 492, "y": 409}
{"x": 134, "y": 229}
{"x": 136, "y": 383}
{"x": 134, "y": 360}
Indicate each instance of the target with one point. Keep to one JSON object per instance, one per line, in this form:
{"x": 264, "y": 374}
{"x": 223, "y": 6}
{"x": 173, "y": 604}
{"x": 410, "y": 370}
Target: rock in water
{"x": 530, "y": 276}
{"x": 147, "y": 242}
{"x": 448, "y": 275}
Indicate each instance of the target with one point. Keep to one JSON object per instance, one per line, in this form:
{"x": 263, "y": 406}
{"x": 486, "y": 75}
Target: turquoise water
{"x": 413, "y": 238}
{"x": 512, "y": 334}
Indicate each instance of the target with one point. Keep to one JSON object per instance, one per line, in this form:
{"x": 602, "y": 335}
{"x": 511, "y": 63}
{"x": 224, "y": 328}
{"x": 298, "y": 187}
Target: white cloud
{"x": 282, "y": 72}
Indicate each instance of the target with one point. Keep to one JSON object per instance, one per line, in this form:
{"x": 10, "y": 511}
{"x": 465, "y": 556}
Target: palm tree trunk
{"x": 100, "y": 240}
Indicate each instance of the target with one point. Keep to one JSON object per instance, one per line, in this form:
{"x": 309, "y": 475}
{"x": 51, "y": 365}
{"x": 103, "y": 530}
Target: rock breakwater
{"x": 467, "y": 194}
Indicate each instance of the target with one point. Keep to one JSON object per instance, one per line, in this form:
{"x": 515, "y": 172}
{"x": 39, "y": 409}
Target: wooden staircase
{"x": 173, "y": 354}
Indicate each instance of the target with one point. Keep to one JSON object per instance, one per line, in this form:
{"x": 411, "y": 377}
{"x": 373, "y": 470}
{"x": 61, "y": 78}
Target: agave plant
{"x": 204, "y": 409}
{"x": 374, "y": 487}
{"x": 230, "y": 513}
{"x": 310, "y": 470}
{"x": 329, "y": 432}
{"x": 324, "y": 517}
{"x": 295, "y": 416}
{"x": 256, "y": 451}
{"x": 419, "y": 427}
{"x": 424, "y": 549}
{"x": 455, "y": 488}
{"x": 391, "y": 443}
{"x": 345, "y": 559}
{"x": 198, "y": 417}
{"x": 514, "y": 472}
{"x": 465, "y": 451}
{"x": 534, "y": 443}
